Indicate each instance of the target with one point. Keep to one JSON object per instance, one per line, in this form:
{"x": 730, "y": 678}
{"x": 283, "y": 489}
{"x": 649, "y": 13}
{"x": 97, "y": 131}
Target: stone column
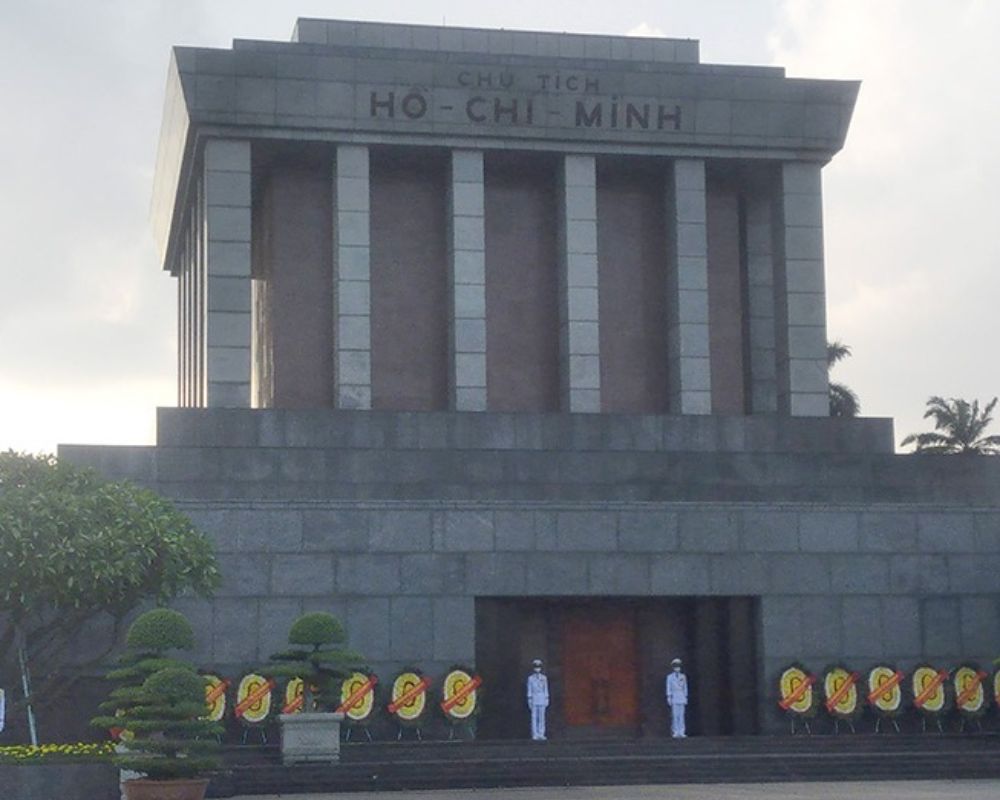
{"x": 760, "y": 279}
{"x": 579, "y": 336}
{"x": 352, "y": 281}
{"x": 227, "y": 256}
{"x": 803, "y": 387}
{"x": 690, "y": 386}
{"x": 467, "y": 277}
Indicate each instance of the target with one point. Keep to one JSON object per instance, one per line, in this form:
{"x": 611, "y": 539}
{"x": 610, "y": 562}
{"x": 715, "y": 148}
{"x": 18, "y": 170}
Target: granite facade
{"x": 903, "y": 567}
{"x": 400, "y": 508}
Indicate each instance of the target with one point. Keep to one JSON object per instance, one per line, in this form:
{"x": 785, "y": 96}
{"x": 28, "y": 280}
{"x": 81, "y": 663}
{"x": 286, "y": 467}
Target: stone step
{"x": 399, "y": 766}
{"x": 312, "y": 473}
{"x": 441, "y": 430}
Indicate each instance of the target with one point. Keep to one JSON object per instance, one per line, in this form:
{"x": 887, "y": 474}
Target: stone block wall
{"x": 852, "y": 584}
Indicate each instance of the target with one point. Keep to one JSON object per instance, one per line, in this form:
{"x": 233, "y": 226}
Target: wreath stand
{"x": 416, "y": 729}
{"x": 836, "y": 726}
{"x": 878, "y": 723}
{"x": 805, "y": 724}
{"x": 351, "y": 728}
{"x": 467, "y": 726}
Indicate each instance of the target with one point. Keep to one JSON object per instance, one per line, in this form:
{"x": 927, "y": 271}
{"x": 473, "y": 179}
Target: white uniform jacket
{"x": 677, "y": 689}
{"x": 538, "y": 690}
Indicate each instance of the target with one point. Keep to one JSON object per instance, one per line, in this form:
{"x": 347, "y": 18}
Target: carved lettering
{"x": 614, "y": 113}
{"x": 386, "y": 105}
{"x": 557, "y": 82}
{"x": 668, "y": 114}
{"x": 414, "y": 105}
{"x": 500, "y": 111}
{"x": 588, "y": 120}
{"x": 470, "y": 111}
{"x": 634, "y": 116}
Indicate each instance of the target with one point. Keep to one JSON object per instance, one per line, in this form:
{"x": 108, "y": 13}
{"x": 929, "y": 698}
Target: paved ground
{"x": 888, "y": 790}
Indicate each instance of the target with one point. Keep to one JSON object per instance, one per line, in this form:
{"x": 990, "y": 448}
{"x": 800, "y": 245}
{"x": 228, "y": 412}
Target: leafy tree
{"x": 76, "y": 549}
{"x": 958, "y": 428}
{"x": 843, "y": 401}
{"x": 160, "y": 701}
{"x": 318, "y": 658}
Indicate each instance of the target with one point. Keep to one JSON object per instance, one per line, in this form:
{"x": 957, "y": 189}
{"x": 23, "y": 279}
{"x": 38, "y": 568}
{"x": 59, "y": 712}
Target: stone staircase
{"x": 439, "y": 765}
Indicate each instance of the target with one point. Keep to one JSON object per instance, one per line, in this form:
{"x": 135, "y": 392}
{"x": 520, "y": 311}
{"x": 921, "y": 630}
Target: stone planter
{"x": 313, "y": 736}
{"x": 145, "y": 789}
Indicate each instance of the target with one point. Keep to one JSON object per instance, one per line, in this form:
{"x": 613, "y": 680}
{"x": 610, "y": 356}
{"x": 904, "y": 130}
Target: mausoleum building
{"x": 505, "y": 345}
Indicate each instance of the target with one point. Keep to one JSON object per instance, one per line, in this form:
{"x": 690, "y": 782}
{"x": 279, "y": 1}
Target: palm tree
{"x": 958, "y": 428}
{"x": 843, "y": 401}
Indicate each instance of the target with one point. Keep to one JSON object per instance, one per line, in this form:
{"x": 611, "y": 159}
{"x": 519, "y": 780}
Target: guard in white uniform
{"x": 677, "y": 698}
{"x": 538, "y": 700}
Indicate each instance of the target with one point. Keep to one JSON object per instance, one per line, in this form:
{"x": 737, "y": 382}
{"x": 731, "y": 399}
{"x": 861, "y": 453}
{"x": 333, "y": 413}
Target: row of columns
{"x": 784, "y": 269}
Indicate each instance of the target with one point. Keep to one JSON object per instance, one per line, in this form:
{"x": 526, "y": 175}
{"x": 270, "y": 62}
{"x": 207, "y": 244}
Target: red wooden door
{"x": 599, "y": 662}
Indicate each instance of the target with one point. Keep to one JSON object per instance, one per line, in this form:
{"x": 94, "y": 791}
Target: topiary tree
{"x": 171, "y": 739}
{"x": 160, "y": 701}
{"x": 147, "y": 642}
{"x": 319, "y": 660}
{"x": 76, "y": 549}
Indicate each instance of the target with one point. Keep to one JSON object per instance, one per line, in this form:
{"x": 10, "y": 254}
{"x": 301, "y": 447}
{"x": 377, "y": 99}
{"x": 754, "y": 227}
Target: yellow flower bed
{"x": 20, "y": 753}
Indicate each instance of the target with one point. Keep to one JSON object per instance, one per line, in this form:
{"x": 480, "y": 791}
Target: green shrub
{"x": 159, "y": 630}
{"x": 161, "y": 701}
{"x": 317, "y": 629}
{"x": 319, "y": 660}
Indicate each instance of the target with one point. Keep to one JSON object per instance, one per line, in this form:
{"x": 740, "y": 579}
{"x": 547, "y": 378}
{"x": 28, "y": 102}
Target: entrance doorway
{"x": 599, "y": 663}
{"x": 607, "y": 659}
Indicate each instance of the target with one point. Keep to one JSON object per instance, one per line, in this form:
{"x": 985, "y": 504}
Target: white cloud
{"x": 645, "y": 29}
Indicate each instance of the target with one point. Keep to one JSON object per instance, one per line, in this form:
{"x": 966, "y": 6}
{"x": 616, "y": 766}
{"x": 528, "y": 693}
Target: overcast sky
{"x": 87, "y": 319}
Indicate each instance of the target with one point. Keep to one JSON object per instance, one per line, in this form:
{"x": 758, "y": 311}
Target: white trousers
{"x": 677, "y": 720}
{"x": 538, "y": 722}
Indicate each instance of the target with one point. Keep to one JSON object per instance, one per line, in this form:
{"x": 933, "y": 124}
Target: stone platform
{"x": 760, "y": 759}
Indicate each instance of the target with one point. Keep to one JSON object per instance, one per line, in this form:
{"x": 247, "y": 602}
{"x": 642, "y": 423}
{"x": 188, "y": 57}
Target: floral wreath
{"x": 459, "y": 704}
{"x": 886, "y": 702}
{"x": 842, "y": 698}
{"x": 793, "y": 699}
{"x": 929, "y": 687}
{"x": 254, "y": 699}
{"x": 361, "y": 711}
{"x": 411, "y": 712}
{"x": 971, "y": 688}
{"x": 216, "y": 700}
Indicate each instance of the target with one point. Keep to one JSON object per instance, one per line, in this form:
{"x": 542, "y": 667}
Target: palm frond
{"x": 958, "y": 427}
{"x": 836, "y": 351}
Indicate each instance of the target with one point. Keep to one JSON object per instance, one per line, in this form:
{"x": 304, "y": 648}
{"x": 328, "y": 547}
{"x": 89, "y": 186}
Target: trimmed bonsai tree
{"x": 148, "y": 641}
{"x": 160, "y": 702}
{"x": 318, "y": 659}
{"x": 172, "y": 740}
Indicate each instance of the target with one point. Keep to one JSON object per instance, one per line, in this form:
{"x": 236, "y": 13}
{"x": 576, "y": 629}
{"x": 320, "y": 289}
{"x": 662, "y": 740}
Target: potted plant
{"x": 319, "y": 662}
{"x": 159, "y": 705}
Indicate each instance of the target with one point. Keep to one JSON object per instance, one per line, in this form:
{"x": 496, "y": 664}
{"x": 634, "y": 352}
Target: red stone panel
{"x": 409, "y": 280}
{"x": 522, "y": 311}
{"x": 294, "y": 283}
{"x": 632, "y": 257}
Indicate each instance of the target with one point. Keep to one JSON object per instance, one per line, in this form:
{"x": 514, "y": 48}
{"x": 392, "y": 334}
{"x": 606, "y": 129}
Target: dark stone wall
{"x": 522, "y": 302}
{"x": 632, "y": 286}
{"x": 409, "y": 280}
